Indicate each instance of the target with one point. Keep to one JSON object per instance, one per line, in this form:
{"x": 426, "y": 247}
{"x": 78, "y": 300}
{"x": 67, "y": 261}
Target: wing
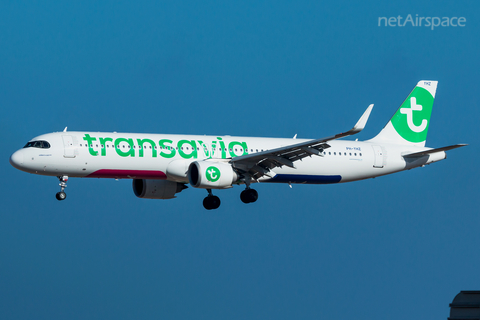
{"x": 259, "y": 164}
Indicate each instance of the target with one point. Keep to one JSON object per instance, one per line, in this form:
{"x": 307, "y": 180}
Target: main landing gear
{"x": 249, "y": 195}
{"x": 63, "y": 184}
{"x": 211, "y": 201}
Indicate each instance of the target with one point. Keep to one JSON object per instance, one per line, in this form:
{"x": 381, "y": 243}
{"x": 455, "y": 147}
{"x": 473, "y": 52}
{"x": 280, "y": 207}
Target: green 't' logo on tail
{"x": 412, "y": 119}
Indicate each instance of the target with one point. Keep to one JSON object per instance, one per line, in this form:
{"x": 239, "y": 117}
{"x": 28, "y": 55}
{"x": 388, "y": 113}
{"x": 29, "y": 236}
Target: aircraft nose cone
{"x": 16, "y": 159}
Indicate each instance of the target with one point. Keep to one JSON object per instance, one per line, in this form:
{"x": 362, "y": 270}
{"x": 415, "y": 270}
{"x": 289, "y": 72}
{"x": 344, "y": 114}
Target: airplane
{"x": 161, "y": 165}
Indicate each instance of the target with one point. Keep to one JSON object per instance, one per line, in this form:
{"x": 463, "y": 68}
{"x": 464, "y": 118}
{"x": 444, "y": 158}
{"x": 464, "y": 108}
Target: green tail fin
{"x": 409, "y": 125}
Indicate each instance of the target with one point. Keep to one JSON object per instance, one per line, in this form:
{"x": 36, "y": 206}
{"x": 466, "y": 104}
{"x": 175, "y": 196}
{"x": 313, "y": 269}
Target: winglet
{"x": 360, "y": 125}
{"x": 357, "y": 127}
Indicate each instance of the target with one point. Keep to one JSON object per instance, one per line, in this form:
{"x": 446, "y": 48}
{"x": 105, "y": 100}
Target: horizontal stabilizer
{"x": 427, "y": 152}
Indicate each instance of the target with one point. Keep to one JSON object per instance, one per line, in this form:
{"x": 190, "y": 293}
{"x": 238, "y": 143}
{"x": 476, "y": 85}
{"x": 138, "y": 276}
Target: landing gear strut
{"x": 63, "y": 184}
{"x": 249, "y": 195}
{"x": 211, "y": 201}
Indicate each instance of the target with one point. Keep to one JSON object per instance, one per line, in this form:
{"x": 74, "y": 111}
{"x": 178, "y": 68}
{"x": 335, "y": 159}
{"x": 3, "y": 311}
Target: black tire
{"x": 61, "y": 196}
{"x": 249, "y": 195}
{"x": 244, "y": 196}
{"x": 215, "y": 202}
{"x": 207, "y": 204}
{"x": 253, "y": 195}
{"x": 211, "y": 202}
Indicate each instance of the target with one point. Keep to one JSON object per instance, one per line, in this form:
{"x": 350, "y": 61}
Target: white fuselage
{"x": 148, "y": 156}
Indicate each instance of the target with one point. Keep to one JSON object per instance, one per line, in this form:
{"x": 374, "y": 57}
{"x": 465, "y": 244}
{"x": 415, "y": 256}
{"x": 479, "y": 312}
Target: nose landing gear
{"x": 63, "y": 184}
{"x": 211, "y": 201}
{"x": 249, "y": 195}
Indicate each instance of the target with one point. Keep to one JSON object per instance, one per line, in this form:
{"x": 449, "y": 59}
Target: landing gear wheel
{"x": 249, "y": 195}
{"x": 211, "y": 202}
{"x": 61, "y": 195}
{"x": 63, "y": 184}
{"x": 215, "y": 201}
{"x": 206, "y": 203}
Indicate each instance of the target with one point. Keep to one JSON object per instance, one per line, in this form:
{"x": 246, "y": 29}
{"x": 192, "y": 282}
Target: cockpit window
{"x": 38, "y": 144}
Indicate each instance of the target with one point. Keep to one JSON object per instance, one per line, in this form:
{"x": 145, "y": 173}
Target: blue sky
{"x": 400, "y": 246}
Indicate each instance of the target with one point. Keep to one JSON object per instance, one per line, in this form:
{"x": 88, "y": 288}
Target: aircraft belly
{"x": 109, "y": 167}
{"x": 335, "y": 169}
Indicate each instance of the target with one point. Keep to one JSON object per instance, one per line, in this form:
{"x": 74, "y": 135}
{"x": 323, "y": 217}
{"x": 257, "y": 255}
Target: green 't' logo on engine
{"x": 213, "y": 174}
{"x": 412, "y": 119}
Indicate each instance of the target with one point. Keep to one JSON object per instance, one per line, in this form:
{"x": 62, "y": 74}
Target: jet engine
{"x": 211, "y": 175}
{"x": 156, "y": 189}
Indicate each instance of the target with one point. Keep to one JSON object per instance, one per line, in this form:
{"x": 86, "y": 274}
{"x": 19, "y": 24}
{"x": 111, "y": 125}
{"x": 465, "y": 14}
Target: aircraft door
{"x": 68, "y": 147}
{"x": 379, "y": 157}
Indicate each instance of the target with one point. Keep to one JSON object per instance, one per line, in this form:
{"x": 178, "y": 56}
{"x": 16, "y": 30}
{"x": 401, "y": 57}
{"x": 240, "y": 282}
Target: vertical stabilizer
{"x": 409, "y": 125}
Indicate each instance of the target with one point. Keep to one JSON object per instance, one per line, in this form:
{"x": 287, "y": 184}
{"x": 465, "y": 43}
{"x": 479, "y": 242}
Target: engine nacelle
{"x": 211, "y": 175}
{"x": 156, "y": 189}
